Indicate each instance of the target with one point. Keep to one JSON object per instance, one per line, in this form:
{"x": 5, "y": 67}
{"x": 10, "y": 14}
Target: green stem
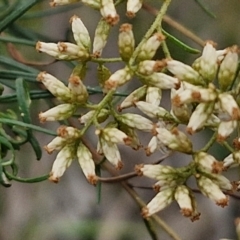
{"x": 210, "y": 143}
{"x": 106, "y": 60}
{"x": 27, "y": 126}
{"x": 27, "y": 180}
{"x": 157, "y": 22}
{"x": 101, "y": 105}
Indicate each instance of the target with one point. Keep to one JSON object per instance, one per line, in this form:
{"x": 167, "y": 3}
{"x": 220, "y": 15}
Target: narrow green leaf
{"x": 51, "y": 11}
{"x": 179, "y": 43}
{"x": 205, "y": 9}
{"x": 19, "y": 10}
{"x": 17, "y": 40}
{"x": 24, "y": 101}
{"x": 13, "y": 74}
{"x": 27, "y": 180}
{"x": 16, "y": 65}
{"x": 34, "y": 94}
{"x": 27, "y": 126}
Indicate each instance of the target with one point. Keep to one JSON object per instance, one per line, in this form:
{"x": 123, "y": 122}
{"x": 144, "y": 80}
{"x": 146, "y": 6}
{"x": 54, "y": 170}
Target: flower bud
{"x": 49, "y": 48}
{"x": 207, "y": 163}
{"x": 153, "y": 111}
{"x": 111, "y": 152}
{"x": 119, "y": 78}
{"x": 126, "y": 41}
{"x": 86, "y": 162}
{"x": 158, "y": 172}
{"x": 149, "y": 48}
{"x": 232, "y": 159}
{"x": 113, "y": 135}
{"x": 72, "y": 51}
{"x": 133, "y": 97}
{"x": 55, "y": 86}
{"x": 154, "y": 145}
{"x": 212, "y": 191}
{"x": 56, "y": 144}
{"x": 229, "y": 105}
{"x": 68, "y": 132}
{"x": 136, "y": 121}
{"x": 63, "y": 50}
{"x": 60, "y": 112}
{"x": 221, "y": 181}
{"x": 108, "y": 12}
{"x": 159, "y": 202}
{"x": 80, "y": 33}
{"x": 183, "y": 111}
{"x": 196, "y": 94}
{"x": 225, "y": 129}
{"x": 154, "y": 95}
{"x": 62, "y": 162}
{"x": 208, "y": 62}
{"x": 131, "y": 133}
{"x": 199, "y": 117}
{"x": 228, "y": 68}
{"x": 100, "y": 37}
{"x": 184, "y": 72}
{"x": 101, "y": 117}
{"x": 148, "y": 67}
{"x": 183, "y": 197}
{"x": 78, "y": 90}
{"x": 162, "y": 80}
{"x": 133, "y": 6}
{"x": 174, "y": 139}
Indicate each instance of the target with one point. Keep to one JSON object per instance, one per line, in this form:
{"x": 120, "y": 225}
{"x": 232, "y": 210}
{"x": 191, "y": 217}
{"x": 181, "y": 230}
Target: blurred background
{"x": 69, "y": 209}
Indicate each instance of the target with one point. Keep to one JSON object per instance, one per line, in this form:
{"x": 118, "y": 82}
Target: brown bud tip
{"x": 40, "y": 76}
{"x": 126, "y": 27}
{"x": 72, "y": 18}
{"x": 223, "y": 202}
{"x": 38, "y": 46}
{"x": 127, "y": 141}
{"x": 52, "y": 4}
{"x": 196, "y": 95}
{"x": 119, "y": 165}
{"x": 48, "y": 150}
{"x": 147, "y": 151}
{"x": 214, "y": 44}
{"x": 130, "y": 14}
{"x": 160, "y": 37}
{"x": 186, "y": 212}
{"x": 195, "y": 217}
{"x": 190, "y": 130}
{"x": 176, "y": 101}
{"x": 217, "y": 167}
{"x": 53, "y": 179}
{"x": 41, "y": 118}
{"x": 112, "y": 20}
{"x": 61, "y": 131}
{"x": 220, "y": 138}
{"x": 236, "y": 143}
{"x": 92, "y": 179}
{"x": 145, "y": 212}
{"x": 138, "y": 169}
{"x": 75, "y": 80}
{"x": 156, "y": 188}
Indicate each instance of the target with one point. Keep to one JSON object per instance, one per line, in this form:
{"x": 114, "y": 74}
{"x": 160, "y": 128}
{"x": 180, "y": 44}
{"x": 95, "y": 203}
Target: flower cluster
{"x": 201, "y": 96}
